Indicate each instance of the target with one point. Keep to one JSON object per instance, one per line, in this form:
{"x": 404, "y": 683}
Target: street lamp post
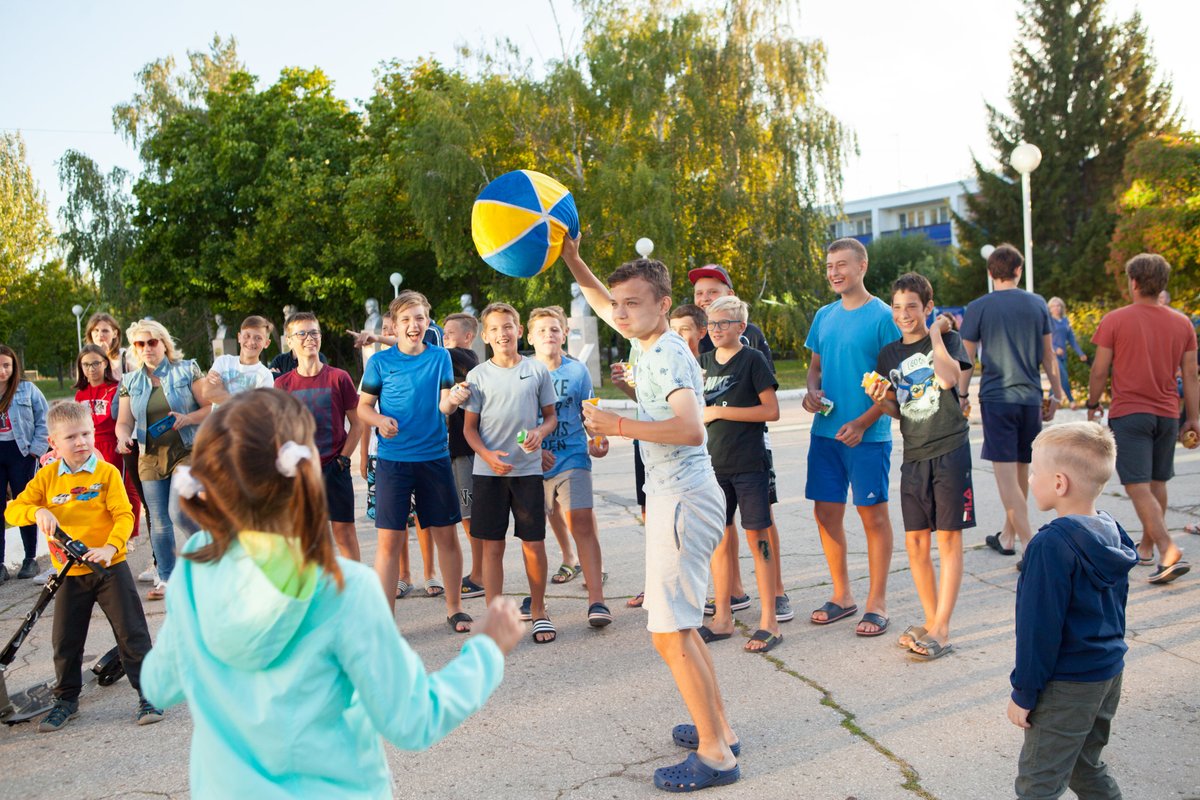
{"x": 1025, "y": 159}
{"x": 986, "y": 251}
{"x": 395, "y": 279}
{"x": 78, "y": 310}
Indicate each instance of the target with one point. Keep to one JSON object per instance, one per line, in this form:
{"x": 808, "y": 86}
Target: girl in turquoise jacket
{"x": 288, "y": 657}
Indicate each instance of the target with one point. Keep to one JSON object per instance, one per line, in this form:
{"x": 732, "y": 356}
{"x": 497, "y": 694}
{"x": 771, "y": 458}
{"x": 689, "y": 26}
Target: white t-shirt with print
{"x": 239, "y": 377}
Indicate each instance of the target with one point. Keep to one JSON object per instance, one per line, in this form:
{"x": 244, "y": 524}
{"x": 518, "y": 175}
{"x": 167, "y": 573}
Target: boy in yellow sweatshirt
{"x": 85, "y": 496}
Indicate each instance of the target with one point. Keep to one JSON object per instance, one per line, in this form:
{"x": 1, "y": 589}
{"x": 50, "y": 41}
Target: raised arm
{"x": 594, "y": 290}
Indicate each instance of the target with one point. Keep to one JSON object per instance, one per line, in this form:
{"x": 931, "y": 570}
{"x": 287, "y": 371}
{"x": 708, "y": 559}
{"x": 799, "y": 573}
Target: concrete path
{"x": 827, "y": 715}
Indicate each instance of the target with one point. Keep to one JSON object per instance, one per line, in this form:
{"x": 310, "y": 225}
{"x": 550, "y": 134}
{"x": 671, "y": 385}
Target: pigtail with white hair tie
{"x": 185, "y": 483}
{"x": 290, "y": 456}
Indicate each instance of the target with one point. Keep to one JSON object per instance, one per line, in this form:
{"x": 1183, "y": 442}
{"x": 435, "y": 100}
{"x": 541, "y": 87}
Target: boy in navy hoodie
{"x": 1070, "y": 619}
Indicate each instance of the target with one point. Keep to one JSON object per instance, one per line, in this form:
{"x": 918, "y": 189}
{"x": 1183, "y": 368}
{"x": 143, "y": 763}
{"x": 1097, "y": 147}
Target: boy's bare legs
{"x": 493, "y": 569}
{"x": 878, "y": 528}
{"x": 450, "y": 559}
{"x": 764, "y": 574}
{"x": 829, "y": 518}
{"x": 391, "y": 560}
{"x": 535, "y": 571}
{"x": 950, "y": 570}
{"x": 425, "y": 542}
{"x": 476, "y": 545}
{"x": 736, "y": 587}
{"x": 1012, "y": 480}
{"x": 583, "y": 530}
{"x": 920, "y": 563}
{"x": 1154, "y": 526}
{"x": 723, "y": 572}
{"x": 559, "y": 525}
{"x": 346, "y": 538}
{"x": 691, "y": 666}
{"x": 773, "y": 534}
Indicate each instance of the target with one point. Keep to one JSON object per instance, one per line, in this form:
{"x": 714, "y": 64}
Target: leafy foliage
{"x": 25, "y": 233}
{"x": 955, "y": 281}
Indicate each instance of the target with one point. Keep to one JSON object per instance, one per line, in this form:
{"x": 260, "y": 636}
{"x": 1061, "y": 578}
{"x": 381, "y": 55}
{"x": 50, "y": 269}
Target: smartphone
{"x": 162, "y": 426}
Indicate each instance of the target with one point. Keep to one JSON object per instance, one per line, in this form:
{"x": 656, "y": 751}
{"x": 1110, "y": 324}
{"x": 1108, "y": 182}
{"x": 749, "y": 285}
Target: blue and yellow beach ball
{"x": 519, "y": 221}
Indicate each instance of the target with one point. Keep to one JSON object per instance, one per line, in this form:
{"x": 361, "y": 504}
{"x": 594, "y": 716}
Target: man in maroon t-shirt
{"x": 1145, "y": 344}
{"x": 329, "y": 394}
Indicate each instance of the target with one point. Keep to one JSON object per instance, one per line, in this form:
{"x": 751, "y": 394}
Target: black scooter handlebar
{"x": 76, "y": 550}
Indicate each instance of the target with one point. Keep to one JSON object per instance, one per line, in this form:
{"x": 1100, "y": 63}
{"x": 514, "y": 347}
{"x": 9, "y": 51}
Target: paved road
{"x": 826, "y": 715}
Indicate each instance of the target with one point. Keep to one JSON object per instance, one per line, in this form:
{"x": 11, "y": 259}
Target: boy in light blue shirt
{"x": 851, "y": 445}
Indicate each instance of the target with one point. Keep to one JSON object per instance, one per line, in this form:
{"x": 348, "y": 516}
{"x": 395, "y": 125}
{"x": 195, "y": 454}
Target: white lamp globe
{"x": 644, "y": 247}
{"x": 1025, "y": 158}
{"x": 986, "y": 251}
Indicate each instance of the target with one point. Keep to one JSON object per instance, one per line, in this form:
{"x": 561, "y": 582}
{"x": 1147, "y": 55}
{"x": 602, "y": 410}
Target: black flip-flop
{"x": 709, "y": 637}
{"x": 878, "y": 620}
{"x": 769, "y": 640}
{"x": 993, "y": 541}
{"x": 1168, "y": 574}
{"x": 833, "y": 612}
{"x": 460, "y": 617}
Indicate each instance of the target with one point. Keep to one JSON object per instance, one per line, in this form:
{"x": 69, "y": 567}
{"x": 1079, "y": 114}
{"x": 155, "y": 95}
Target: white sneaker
{"x": 150, "y": 575}
{"x": 41, "y": 580}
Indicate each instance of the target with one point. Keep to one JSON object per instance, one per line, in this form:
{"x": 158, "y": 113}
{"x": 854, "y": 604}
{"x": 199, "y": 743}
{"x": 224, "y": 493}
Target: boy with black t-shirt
{"x": 459, "y": 332}
{"x": 739, "y": 398}
{"x": 916, "y": 381}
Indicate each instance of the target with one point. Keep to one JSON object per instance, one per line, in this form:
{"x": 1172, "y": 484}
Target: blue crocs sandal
{"x": 526, "y": 609}
{"x": 599, "y": 616}
{"x": 686, "y": 736}
{"x": 692, "y": 774}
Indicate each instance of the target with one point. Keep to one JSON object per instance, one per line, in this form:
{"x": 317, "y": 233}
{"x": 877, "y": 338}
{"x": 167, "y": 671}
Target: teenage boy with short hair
{"x": 689, "y": 321}
{"x": 459, "y": 331}
{"x": 1070, "y": 619}
{"x": 567, "y": 463}
{"x": 1011, "y": 329}
{"x": 232, "y": 374}
{"x": 328, "y": 393}
{"x": 414, "y": 382}
{"x": 1143, "y": 345}
{"x": 916, "y": 381}
{"x": 85, "y": 496}
{"x": 685, "y": 508}
{"x": 851, "y": 446}
{"x": 739, "y": 397}
{"x": 506, "y": 393}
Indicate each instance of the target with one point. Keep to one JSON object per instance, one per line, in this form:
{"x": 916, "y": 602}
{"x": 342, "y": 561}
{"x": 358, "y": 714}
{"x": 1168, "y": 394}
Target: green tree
{"x": 98, "y": 233}
{"x": 1160, "y": 211}
{"x": 954, "y": 283}
{"x": 25, "y": 233}
{"x": 39, "y": 324}
{"x": 1083, "y": 90}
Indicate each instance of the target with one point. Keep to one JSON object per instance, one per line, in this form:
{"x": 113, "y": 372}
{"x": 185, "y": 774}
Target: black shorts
{"x": 494, "y": 497}
{"x": 430, "y": 483}
{"x": 639, "y": 475}
{"x": 339, "y": 492}
{"x": 936, "y": 493}
{"x": 772, "y": 484}
{"x": 751, "y": 492}
{"x": 1008, "y": 431}
{"x": 1145, "y": 447}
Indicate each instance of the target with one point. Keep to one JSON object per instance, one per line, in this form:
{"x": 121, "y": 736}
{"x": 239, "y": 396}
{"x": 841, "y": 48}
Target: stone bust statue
{"x": 374, "y": 323}
{"x": 467, "y": 307}
{"x": 579, "y": 306}
{"x": 220, "y": 323}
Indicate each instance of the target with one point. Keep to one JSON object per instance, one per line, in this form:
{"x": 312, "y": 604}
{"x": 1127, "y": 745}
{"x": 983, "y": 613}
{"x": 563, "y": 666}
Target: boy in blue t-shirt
{"x": 566, "y": 463}
{"x": 415, "y": 382}
{"x": 851, "y": 446}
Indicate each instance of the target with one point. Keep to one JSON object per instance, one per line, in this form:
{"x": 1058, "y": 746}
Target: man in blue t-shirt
{"x": 415, "y": 382}
{"x": 851, "y": 445}
{"x": 1010, "y": 328}
{"x": 566, "y": 463}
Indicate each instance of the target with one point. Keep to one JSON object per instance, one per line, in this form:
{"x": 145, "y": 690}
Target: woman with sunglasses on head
{"x": 96, "y": 387}
{"x": 22, "y": 441}
{"x": 163, "y": 400}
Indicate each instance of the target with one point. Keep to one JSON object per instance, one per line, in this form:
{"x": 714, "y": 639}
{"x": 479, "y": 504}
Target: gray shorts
{"x": 570, "y": 490}
{"x": 682, "y": 532}
{"x": 461, "y": 467}
{"x": 1145, "y": 447}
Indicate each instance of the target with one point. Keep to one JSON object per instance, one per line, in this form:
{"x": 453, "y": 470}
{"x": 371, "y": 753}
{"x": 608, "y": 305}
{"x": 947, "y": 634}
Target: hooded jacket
{"x": 292, "y": 683}
{"x": 1071, "y": 605}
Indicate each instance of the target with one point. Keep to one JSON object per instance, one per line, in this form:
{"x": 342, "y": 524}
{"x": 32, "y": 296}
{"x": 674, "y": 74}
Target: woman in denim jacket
{"x": 22, "y": 442}
{"x": 163, "y": 401}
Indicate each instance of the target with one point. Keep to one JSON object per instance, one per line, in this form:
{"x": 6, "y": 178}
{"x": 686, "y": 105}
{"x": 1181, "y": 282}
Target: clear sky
{"x": 909, "y": 79}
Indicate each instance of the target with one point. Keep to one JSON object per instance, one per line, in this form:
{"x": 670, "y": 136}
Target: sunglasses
{"x": 146, "y": 343}
{"x": 92, "y": 364}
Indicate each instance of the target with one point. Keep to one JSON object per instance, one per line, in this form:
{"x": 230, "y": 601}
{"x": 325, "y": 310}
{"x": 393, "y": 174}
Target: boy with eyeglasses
{"x": 327, "y": 392}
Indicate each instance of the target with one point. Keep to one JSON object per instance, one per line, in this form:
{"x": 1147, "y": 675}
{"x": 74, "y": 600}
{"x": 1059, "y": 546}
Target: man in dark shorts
{"x": 1012, "y": 327}
{"x": 1143, "y": 345}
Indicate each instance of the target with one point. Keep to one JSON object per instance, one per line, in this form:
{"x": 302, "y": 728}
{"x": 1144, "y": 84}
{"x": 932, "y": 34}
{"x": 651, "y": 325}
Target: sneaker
{"x": 148, "y": 575}
{"x": 735, "y": 604}
{"x": 783, "y": 609}
{"x": 471, "y": 589}
{"x": 41, "y": 579}
{"x": 29, "y": 569}
{"x": 148, "y": 714}
{"x": 58, "y": 716}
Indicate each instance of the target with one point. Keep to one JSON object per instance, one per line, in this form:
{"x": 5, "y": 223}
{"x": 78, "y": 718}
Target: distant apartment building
{"x": 917, "y": 212}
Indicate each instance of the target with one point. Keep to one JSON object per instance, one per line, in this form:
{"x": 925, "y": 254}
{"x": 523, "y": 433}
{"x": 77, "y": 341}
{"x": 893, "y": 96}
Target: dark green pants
{"x": 1069, "y": 728}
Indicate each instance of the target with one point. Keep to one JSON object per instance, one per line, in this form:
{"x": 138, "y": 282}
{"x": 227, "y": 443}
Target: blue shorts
{"x": 432, "y": 484}
{"x": 834, "y": 467}
{"x": 1008, "y": 431}
{"x": 339, "y": 492}
{"x": 751, "y": 492}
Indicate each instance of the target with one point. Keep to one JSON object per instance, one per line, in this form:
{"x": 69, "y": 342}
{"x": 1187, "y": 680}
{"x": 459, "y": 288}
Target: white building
{"x": 915, "y": 212}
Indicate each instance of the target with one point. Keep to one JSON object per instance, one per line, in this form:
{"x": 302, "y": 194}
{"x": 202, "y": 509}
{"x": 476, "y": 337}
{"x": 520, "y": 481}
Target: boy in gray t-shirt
{"x": 685, "y": 508}
{"x": 508, "y": 392}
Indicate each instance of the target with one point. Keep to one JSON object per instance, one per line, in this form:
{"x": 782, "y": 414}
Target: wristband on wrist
{"x": 620, "y": 419}
{"x": 1093, "y": 406}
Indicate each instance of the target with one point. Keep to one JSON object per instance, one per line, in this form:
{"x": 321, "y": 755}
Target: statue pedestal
{"x": 224, "y": 347}
{"x": 479, "y": 348}
{"x": 583, "y": 343}
{"x": 368, "y": 350}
